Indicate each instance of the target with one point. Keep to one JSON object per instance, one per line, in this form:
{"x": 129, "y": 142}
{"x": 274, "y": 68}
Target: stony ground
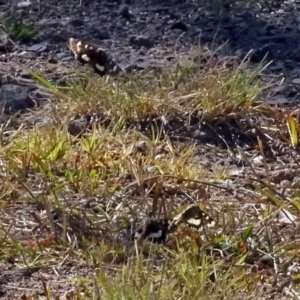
{"x": 148, "y": 35}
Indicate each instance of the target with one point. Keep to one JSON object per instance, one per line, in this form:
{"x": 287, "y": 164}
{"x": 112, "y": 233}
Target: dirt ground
{"x": 151, "y": 34}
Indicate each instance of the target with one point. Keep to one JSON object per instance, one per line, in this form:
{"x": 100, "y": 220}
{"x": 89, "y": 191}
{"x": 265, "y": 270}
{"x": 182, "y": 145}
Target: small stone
{"x": 75, "y": 22}
{"x": 141, "y": 147}
{"x": 141, "y": 41}
{"x": 296, "y": 183}
{"x": 24, "y": 4}
{"x": 38, "y": 47}
{"x": 52, "y": 60}
{"x": 289, "y": 63}
{"x": 292, "y": 94}
{"x": 179, "y": 25}
{"x": 125, "y": 12}
{"x": 63, "y": 55}
{"x": 170, "y": 58}
{"x": 133, "y": 67}
{"x": 66, "y": 59}
{"x": 278, "y": 100}
{"x": 296, "y": 80}
{"x": 197, "y": 134}
{"x": 101, "y": 35}
{"x": 260, "y": 53}
{"x": 282, "y": 89}
{"x": 285, "y": 183}
{"x": 15, "y": 98}
{"x": 276, "y": 68}
{"x": 174, "y": 15}
{"x": 26, "y": 76}
{"x": 75, "y": 128}
{"x": 258, "y": 160}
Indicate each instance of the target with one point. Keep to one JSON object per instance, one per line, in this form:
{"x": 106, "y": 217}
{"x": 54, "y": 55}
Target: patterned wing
{"x": 155, "y": 230}
{"x": 194, "y": 217}
{"x": 96, "y": 58}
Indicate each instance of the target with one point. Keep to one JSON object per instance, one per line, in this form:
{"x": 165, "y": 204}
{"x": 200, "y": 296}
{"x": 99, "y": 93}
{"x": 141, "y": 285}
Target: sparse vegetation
{"x": 64, "y": 199}
{"x": 16, "y": 29}
{"x": 20, "y": 32}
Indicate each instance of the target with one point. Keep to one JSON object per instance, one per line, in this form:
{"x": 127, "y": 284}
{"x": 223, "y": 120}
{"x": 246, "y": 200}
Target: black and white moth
{"x": 95, "y": 57}
{"x": 157, "y": 230}
{"x": 194, "y": 217}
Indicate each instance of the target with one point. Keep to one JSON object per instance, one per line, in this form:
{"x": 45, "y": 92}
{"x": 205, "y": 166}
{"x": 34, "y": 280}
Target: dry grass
{"x": 64, "y": 199}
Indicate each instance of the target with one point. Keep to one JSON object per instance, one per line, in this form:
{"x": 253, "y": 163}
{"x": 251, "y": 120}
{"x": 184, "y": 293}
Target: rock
{"x": 64, "y": 57}
{"x": 260, "y": 53}
{"x": 76, "y": 127}
{"x": 59, "y": 36}
{"x": 38, "y": 47}
{"x": 67, "y": 59}
{"x": 133, "y": 67}
{"x": 101, "y": 35}
{"x": 292, "y": 94}
{"x": 141, "y": 41}
{"x": 125, "y": 12}
{"x": 290, "y": 64}
{"x": 6, "y": 44}
{"x": 277, "y": 67}
{"x": 296, "y": 80}
{"x": 24, "y": 4}
{"x": 49, "y": 23}
{"x": 283, "y": 174}
{"x": 25, "y": 76}
{"x": 15, "y": 98}
{"x": 179, "y": 25}
{"x": 75, "y": 22}
{"x": 282, "y": 89}
{"x": 173, "y": 15}
{"x": 141, "y": 147}
{"x": 52, "y": 61}
{"x": 295, "y": 55}
{"x": 170, "y": 58}
{"x": 278, "y": 100}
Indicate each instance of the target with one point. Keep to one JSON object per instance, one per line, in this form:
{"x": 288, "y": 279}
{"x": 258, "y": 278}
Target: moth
{"x": 95, "y": 57}
{"x": 157, "y": 230}
{"x": 194, "y": 217}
